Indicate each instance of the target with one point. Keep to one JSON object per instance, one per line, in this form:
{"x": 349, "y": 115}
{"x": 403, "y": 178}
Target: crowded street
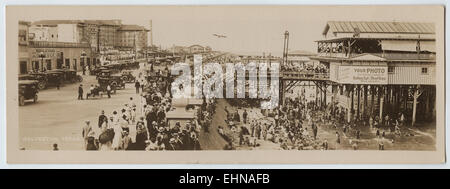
{"x": 59, "y": 117}
{"x": 79, "y": 96}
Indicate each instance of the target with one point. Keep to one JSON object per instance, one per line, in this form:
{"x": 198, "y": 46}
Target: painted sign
{"x": 48, "y": 52}
{"x": 377, "y": 75}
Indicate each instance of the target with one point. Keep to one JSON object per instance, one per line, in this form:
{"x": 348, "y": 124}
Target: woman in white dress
{"x": 117, "y": 135}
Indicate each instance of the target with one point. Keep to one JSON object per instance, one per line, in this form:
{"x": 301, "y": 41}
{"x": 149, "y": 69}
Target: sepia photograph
{"x": 354, "y": 80}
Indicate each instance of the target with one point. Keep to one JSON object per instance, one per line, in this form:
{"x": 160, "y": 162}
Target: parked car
{"x": 69, "y": 76}
{"x": 128, "y": 77}
{"x": 41, "y": 77}
{"x": 55, "y": 77}
{"x": 28, "y": 89}
{"x": 106, "y": 78}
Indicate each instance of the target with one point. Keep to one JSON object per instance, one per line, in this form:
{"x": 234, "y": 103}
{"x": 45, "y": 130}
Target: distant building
{"x": 193, "y": 49}
{"x": 132, "y": 36}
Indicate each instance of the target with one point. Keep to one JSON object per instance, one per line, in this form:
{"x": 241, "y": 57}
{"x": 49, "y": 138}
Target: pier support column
{"x": 427, "y": 104}
{"x": 417, "y": 92}
{"x": 381, "y": 99}
{"x": 372, "y": 99}
{"x": 324, "y": 87}
{"x": 358, "y": 88}
{"x": 347, "y": 94}
{"x": 365, "y": 101}
{"x": 352, "y": 105}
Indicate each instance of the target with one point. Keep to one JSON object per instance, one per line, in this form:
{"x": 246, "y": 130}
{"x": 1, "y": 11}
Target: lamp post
{"x": 42, "y": 56}
{"x": 83, "y": 55}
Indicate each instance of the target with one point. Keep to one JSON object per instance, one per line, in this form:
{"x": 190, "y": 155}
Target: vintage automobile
{"x": 28, "y": 89}
{"x": 69, "y": 76}
{"x": 55, "y": 77}
{"x": 114, "y": 67}
{"x": 96, "y": 70}
{"x": 106, "y": 78}
{"x": 128, "y": 77}
{"x": 72, "y": 76}
{"x": 39, "y": 76}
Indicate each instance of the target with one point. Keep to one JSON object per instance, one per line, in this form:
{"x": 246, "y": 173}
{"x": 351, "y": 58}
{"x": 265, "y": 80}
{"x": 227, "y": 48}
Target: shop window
{"x": 49, "y": 64}
{"x": 391, "y": 69}
{"x": 67, "y": 63}
{"x": 75, "y": 66}
{"x": 35, "y": 65}
{"x": 88, "y": 61}
{"x": 23, "y": 67}
{"x": 424, "y": 70}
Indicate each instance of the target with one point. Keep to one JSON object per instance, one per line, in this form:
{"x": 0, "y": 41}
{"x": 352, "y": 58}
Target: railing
{"x": 54, "y": 44}
{"x": 305, "y": 75}
{"x": 389, "y": 56}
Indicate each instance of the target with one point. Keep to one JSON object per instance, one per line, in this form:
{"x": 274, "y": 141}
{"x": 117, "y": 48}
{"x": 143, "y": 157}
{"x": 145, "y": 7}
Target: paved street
{"x": 58, "y": 117}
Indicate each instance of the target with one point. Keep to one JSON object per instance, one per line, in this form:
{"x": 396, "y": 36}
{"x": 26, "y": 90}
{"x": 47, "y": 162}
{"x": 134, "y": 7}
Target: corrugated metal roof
{"x": 379, "y": 27}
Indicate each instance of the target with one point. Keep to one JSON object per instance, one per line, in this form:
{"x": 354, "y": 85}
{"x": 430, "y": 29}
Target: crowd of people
{"x": 305, "y": 68}
{"x": 141, "y": 123}
{"x": 296, "y": 126}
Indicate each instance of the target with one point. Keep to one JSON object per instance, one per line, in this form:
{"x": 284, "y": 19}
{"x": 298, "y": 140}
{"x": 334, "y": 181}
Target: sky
{"x": 249, "y": 29}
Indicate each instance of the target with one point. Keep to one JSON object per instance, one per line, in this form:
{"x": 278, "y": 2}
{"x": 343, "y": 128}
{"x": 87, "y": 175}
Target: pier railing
{"x": 305, "y": 75}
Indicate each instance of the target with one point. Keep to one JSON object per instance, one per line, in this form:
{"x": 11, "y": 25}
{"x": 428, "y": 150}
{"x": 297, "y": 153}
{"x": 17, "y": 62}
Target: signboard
{"x": 48, "y": 52}
{"x": 376, "y": 75}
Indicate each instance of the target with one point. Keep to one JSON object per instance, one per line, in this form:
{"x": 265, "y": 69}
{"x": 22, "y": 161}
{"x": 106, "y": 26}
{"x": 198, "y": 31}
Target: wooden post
{"x": 427, "y": 105}
{"x": 417, "y": 93}
{"x": 324, "y": 87}
{"x": 406, "y": 96}
{"x": 372, "y": 99}
{"x": 352, "y": 109}
{"x": 317, "y": 93}
{"x": 358, "y": 88}
{"x": 365, "y": 100}
{"x": 347, "y": 91}
{"x": 381, "y": 99}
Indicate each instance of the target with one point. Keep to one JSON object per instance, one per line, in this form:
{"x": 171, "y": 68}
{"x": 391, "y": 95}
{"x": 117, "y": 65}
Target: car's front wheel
{"x": 41, "y": 85}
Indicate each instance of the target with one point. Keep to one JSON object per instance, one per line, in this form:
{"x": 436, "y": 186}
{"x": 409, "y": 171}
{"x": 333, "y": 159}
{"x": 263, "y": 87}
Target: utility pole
{"x": 286, "y": 47}
{"x": 151, "y": 33}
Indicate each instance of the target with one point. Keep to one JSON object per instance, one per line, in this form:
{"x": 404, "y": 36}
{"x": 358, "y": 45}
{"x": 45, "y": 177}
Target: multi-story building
{"x": 381, "y": 68}
{"x": 193, "y": 49}
{"x": 132, "y": 37}
{"x": 24, "y": 58}
{"x": 57, "y": 31}
{"x": 67, "y": 40}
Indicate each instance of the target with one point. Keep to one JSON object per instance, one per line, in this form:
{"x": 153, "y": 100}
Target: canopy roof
{"x": 379, "y": 27}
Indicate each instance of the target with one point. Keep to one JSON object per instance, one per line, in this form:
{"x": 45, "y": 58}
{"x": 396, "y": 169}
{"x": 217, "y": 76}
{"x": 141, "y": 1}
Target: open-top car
{"x": 40, "y": 76}
{"x": 28, "y": 89}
